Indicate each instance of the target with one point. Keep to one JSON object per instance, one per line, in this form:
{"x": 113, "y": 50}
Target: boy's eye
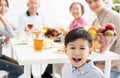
{"x": 72, "y": 47}
{"x": 82, "y": 48}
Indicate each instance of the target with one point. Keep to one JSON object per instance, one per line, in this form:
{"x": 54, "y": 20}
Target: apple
{"x": 110, "y": 26}
{"x": 109, "y": 33}
{"x": 100, "y": 34}
{"x": 101, "y": 30}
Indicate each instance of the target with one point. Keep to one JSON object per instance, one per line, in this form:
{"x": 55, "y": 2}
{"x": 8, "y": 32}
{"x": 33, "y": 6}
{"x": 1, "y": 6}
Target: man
{"x": 105, "y": 16}
{"x": 31, "y": 16}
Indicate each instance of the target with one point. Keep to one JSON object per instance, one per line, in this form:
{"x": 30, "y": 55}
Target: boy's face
{"x": 78, "y": 52}
{"x": 76, "y": 11}
{"x": 96, "y": 5}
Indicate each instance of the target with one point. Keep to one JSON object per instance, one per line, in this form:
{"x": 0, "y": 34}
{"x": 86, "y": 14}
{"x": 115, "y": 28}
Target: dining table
{"x": 26, "y": 55}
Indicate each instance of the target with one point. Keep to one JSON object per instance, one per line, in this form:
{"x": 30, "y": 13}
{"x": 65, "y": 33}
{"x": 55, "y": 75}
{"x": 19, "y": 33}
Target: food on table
{"x": 103, "y": 37}
{"x": 51, "y": 33}
{"x": 48, "y": 42}
{"x": 110, "y": 26}
{"x": 61, "y": 49}
{"x": 109, "y": 33}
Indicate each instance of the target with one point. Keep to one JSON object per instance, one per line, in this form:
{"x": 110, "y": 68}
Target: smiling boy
{"x": 78, "y": 44}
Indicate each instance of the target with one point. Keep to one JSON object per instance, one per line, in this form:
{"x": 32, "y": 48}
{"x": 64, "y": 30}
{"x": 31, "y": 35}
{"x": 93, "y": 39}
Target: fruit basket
{"x": 103, "y": 37}
{"x": 103, "y": 43}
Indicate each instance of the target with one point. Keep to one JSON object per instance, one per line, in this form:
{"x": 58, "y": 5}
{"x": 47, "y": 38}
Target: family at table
{"x": 33, "y": 23}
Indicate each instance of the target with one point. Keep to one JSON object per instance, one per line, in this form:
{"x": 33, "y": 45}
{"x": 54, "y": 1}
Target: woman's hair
{"x": 78, "y": 33}
{"x": 82, "y": 7}
{"x": 6, "y": 2}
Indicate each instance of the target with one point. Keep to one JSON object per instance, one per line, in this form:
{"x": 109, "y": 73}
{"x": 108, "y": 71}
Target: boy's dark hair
{"x": 78, "y": 33}
{"x": 82, "y": 7}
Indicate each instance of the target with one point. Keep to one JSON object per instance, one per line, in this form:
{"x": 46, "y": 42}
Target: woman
{"x": 77, "y": 10}
{"x": 7, "y": 30}
{"x": 104, "y": 16}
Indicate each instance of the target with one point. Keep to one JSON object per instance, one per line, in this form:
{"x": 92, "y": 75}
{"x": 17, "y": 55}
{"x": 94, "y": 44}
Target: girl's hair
{"x": 82, "y": 7}
{"x": 6, "y": 2}
{"x": 78, "y": 33}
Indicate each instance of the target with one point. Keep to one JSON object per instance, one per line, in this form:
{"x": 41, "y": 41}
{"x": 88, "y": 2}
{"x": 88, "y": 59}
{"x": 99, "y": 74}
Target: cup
{"x": 38, "y": 42}
{"x": 30, "y": 26}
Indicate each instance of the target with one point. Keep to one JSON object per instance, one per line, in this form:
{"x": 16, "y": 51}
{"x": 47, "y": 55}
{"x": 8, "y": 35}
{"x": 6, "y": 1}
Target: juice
{"x": 38, "y": 44}
{"x": 30, "y": 26}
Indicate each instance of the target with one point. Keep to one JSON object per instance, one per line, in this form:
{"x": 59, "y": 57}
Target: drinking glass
{"x": 30, "y": 26}
{"x": 38, "y": 42}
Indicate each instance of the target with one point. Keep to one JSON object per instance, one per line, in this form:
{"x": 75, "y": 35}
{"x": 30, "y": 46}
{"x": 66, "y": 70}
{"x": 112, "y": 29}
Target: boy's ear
{"x": 91, "y": 50}
{"x": 65, "y": 50}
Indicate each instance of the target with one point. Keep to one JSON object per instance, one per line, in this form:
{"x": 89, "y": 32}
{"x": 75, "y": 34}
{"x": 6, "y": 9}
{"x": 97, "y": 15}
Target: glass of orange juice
{"x": 38, "y": 42}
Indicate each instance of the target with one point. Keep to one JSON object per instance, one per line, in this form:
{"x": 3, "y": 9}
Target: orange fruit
{"x": 92, "y": 32}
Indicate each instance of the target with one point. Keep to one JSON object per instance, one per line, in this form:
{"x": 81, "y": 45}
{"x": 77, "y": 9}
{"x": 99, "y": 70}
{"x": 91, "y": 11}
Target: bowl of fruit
{"x": 103, "y": 37}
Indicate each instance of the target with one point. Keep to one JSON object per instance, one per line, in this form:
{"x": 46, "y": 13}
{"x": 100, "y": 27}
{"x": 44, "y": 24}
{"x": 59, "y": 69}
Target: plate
{"x": 21, "y": 42}
{"x": 58, "y": 52}
{"x": 47, "y": 47}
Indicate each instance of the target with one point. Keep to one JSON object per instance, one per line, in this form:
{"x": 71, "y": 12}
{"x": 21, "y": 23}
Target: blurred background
{"x": 56, "y": 12}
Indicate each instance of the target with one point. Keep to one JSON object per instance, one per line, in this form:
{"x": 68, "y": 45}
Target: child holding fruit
{"x": 77, "y": 10}
{"x": 105, "y": 16}
{"x": 80, "y": 66}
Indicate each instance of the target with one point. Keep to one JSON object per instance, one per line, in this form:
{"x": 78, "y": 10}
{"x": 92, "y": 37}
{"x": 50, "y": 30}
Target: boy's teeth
{"x": 76, "y": 60}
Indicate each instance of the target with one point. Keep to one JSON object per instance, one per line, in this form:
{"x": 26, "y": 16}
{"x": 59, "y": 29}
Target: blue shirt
{"x": 37, "y": 21}
{"x": 86, "y": 71}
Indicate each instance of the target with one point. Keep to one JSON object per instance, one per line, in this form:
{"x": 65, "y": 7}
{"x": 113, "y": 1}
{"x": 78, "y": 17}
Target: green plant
{"x": 116, "y": 1}
{"x": 116, "y": 8}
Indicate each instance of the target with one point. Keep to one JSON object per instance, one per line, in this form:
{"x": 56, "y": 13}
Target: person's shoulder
{"x": 97, "y": 73}
{"x": 66, "y": 67}
{"x": 67, "y": 71}
{"x": 40, "y": 14}
{"x": 23, "y": 14}
{"x": 113, "y": 13}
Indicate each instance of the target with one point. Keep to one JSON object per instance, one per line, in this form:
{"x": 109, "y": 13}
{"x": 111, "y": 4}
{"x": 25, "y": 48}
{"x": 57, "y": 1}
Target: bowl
{"x": 103, "y": 43}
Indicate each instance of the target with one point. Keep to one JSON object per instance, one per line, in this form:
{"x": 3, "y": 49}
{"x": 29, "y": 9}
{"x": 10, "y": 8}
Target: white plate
{"x": 59, "y": 52}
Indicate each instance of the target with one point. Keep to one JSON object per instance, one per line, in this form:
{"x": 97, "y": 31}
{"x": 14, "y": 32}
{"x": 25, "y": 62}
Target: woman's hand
{"x": 6, "y": 42}
{"x": 3, "y": 21}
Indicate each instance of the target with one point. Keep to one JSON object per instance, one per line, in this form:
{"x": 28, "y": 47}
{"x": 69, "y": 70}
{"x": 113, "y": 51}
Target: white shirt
{"x": 86, "y": 71}
{"x": 37, "y": 21}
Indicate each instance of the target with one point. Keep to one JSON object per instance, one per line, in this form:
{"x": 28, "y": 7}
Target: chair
{"x": 3, "y": 74}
